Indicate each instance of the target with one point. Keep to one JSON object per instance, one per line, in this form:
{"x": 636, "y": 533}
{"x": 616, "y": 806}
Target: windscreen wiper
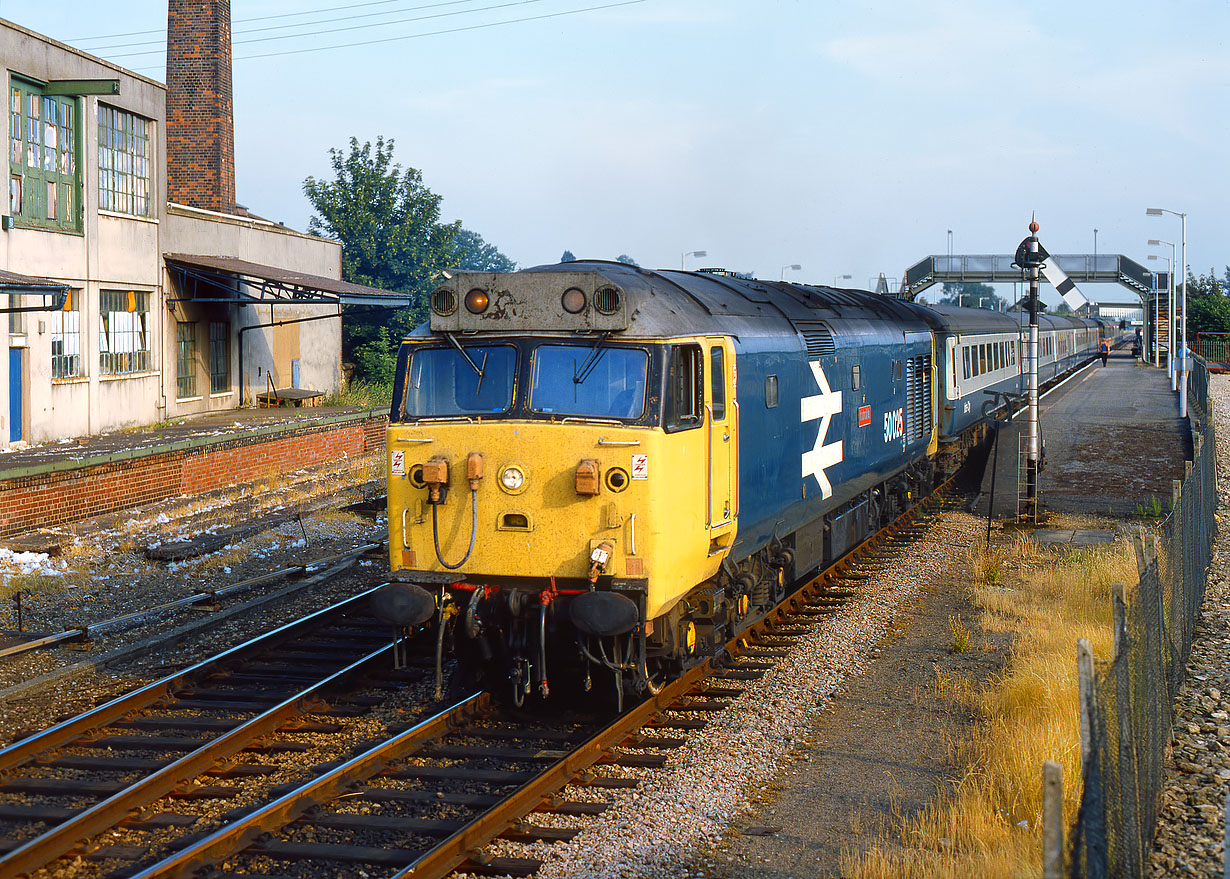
{"x": 581, "y": 373}
{"x": 474, "y": 366}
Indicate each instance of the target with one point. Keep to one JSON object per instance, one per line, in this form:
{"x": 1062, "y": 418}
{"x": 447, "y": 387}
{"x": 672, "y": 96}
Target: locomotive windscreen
{"x": 581, "y": 380}
{"x": 441, "y": 382}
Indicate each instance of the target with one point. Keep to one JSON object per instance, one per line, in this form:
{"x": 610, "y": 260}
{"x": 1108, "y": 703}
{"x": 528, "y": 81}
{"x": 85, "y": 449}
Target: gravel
{"x": 1190, "y": 827}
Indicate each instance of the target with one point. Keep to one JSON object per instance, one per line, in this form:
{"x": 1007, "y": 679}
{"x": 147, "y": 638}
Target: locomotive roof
{"x": 663, "y": 303}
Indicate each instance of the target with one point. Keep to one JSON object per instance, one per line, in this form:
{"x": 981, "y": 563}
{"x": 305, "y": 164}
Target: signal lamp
{"x": 477, "y": 301}
{"x": 573, "y": 301}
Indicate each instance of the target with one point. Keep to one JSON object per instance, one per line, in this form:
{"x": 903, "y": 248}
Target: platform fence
{"x": 1126, "y": 703}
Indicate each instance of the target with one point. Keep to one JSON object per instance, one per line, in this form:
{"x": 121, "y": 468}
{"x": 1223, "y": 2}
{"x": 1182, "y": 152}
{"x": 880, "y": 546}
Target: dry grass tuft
{"x": 988, "y": 823}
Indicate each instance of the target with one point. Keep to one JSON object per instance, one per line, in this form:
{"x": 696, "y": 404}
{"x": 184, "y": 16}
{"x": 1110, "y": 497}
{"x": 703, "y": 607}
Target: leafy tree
{"x": 472, "y": 253}
{"x": 389, "y": 224}
{"x": 1208, "y": 307}
{"x": 1061, "y": 309}
{"x": 567, "y": 257}
{"x": 626, "y": 260}
{"x": 970, "y": 294}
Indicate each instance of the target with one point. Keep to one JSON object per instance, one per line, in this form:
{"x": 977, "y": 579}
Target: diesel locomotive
{"x": 594, "y": 468}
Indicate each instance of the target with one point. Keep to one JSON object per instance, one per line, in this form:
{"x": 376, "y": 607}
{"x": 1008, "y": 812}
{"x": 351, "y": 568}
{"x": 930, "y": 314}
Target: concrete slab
{"x": 1089, "y": 537}
{"x": 1113, "y": 441}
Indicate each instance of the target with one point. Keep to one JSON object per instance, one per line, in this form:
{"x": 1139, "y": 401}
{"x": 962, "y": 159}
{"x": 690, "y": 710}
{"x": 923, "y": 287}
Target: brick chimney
{"x": 200, "y": 115}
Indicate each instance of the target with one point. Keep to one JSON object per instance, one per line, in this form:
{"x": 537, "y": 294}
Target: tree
{"x": 626, "y": 260}
{"x": 1208, "y": 308}
{"x": 567, "y": 257}
{"x": 972, "y": 295}
{"x": 471, "y": 253}
{"x": 389, "y": 224}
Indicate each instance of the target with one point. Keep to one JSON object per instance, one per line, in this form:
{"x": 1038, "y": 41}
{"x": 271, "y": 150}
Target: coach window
{"x": 965, "y": 358}
{"x": 717, "y": 373}
{"x": 685, "y": 383}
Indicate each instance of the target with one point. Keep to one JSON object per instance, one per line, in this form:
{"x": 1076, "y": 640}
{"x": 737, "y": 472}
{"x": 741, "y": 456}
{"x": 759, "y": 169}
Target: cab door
{"x": 722, "y": 455}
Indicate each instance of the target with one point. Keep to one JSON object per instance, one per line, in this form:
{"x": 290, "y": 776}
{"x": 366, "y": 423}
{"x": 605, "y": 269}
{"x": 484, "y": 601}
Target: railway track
{"x": 426, "y": 799}
{"x": 86, "y": 775}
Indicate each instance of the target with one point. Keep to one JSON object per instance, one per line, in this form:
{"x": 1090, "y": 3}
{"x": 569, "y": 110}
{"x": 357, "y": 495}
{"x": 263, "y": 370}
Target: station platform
{"x": 1114, "y": 443}
{"x": 72, "y": 479}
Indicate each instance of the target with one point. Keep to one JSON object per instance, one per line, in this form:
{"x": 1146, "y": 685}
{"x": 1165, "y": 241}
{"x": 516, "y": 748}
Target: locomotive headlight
{"x": 512, "y": 478}
{"x": 573, "y": 301}
{"x": 477, "y": 301}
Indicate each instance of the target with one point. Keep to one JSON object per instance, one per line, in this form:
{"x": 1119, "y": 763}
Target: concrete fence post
{"x": 1052, "y": 820}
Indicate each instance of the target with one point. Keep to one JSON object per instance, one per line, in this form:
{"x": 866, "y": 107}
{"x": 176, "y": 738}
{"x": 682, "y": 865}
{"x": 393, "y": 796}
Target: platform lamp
{"x": 1157, "y": 308}
{"x": 683, "y": 257}
{"x": 1157, "y": 242}
{"x": 794, "y": 267}
{"x": 1182, "y": 267}
{"x": 837, "y": 278}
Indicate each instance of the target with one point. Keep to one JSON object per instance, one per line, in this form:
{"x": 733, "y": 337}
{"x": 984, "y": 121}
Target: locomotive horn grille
{"x": 444, "y": 302}
{"x": 607, "y": 300}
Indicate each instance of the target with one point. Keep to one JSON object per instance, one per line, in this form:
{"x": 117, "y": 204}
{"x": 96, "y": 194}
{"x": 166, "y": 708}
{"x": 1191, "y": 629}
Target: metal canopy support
{"x": 57, "y": 293}
{"x": 248, "y": 289}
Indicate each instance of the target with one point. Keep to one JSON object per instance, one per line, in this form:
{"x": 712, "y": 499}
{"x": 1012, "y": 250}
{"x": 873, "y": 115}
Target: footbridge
{"x": 998, "y": 269}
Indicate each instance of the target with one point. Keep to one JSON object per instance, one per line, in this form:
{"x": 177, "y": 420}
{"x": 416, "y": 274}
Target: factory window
{"x": 66, "y": 338}
{"x": 123, "y": 332}
{"x": 43, "y": 164}
{"x": 770, "y": 392}
{"x": 123, "y": 162}
{"x": 685, "y": 383}
{"x": 219, "y": 357}
{"x": 717, "y": 370}
{"x": 185, "y": 359}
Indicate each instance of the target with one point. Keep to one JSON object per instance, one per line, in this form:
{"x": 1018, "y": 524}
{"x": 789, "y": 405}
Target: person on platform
{"x": 1104, "y": 350}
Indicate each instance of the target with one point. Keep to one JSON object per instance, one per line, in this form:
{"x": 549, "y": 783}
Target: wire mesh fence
{"x": 1126, "y": 704}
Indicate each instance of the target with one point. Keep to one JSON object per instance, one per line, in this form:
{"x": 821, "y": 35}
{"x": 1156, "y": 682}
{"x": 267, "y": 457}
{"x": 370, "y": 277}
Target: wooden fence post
{"x": 1052, "y": 820}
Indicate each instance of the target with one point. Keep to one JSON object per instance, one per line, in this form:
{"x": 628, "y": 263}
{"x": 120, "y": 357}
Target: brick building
{"x": 137, "y": 289}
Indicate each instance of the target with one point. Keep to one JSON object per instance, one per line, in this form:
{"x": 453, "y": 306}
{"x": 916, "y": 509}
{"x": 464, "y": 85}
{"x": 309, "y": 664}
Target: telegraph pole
{"x": 1029, "y": 257}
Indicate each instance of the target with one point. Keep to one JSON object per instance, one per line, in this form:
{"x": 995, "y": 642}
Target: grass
{"x": 365, "y": 394}
{"x": 987, "y": 822}
{"x": 1154, "y": 509}
{"x": 960, "y": 635}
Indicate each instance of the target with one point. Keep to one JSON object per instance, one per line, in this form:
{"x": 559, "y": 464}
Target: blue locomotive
{"x": 596, "y": 466}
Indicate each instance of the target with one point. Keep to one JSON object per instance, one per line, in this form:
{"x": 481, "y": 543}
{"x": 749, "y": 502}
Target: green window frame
{"x": 44, "y": 163}
{"x": 123, "y": 162}
{"x": 66, "y": 360}
{"x": 123, "y": 332}
{"x": 185, "y": 359}
{"x": 219, "y": 357}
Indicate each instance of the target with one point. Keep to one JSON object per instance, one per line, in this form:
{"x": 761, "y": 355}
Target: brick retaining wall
{"x": 70, "y": 492}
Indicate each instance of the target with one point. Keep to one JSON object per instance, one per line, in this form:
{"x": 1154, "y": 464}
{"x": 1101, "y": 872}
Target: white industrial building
{"x": 137, "y": 289}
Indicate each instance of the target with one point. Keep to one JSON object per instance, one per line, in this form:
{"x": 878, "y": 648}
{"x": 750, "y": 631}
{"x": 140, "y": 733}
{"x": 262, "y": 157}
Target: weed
{"x": 364, "y": 394}
{"x": 1151, "y": 510}
{"x": 960, "y": 635}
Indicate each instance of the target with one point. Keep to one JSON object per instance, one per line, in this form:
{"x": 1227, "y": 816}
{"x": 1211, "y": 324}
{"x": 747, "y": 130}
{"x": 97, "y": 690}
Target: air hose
{"x": 435, "y": 531}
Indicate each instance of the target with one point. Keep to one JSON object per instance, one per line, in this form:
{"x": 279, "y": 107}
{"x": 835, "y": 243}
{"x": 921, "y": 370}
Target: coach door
{"x": 720, "y": 409}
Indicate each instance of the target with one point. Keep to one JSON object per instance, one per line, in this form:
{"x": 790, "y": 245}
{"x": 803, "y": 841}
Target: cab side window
{"x": 685, "y": 388}
{"x": 717, "y": 393}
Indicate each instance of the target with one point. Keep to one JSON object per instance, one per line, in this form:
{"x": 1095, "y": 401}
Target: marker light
{"x": 573, "y": 301}
{"x": 512, "y": 478}
{"x": 477, "y": 301}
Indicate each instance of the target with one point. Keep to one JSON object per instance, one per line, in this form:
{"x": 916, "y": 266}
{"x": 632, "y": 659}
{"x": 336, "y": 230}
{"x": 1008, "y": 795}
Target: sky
{"x": 847, "y": 138}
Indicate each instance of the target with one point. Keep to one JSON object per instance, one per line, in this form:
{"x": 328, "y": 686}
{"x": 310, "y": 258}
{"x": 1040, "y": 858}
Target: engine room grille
{"x": 917, "y": 377}
{"x": 818, "y": 338}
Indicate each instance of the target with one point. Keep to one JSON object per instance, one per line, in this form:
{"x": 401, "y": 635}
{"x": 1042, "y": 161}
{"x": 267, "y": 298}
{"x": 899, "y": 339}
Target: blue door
{"x": 15, "y": 401}
{"x": 294, "y": 373}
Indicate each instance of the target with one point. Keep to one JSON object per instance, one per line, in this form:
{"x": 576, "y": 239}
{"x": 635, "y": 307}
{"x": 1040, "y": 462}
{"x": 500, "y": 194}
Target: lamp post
{"x": 1182, "y": 340}
{"x": 683, "y": 257}
{"x": 949, "y": 266}
{"x": 794, "y": 267}
{"x": 837, "y": 278}
{"x": 1170, "y": 317}
{"x": 1155, "y": 242}
{"x": 1095, "y": 250}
